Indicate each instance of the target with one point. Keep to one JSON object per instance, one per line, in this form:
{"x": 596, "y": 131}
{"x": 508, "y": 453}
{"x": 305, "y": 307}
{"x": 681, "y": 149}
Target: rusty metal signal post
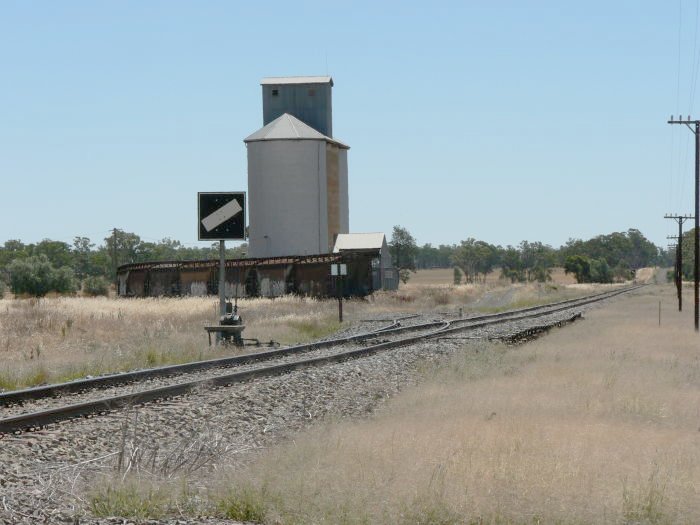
{"x": 694, "y": 126}
{"x": 680, "y": 219}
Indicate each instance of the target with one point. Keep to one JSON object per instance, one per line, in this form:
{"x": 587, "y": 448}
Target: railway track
{"x": 44, "y": 405}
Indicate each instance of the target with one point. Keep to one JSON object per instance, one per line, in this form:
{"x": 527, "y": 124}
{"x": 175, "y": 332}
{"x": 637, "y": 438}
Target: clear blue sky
{"x": 501, "y": 121}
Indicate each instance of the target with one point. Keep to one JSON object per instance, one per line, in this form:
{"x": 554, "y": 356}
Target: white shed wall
{"x": 287, "y": 198}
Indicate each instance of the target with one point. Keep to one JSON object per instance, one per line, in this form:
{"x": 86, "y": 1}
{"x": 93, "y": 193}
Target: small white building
{"x": 384, "y": 275}
{"x": 297, "y": 189}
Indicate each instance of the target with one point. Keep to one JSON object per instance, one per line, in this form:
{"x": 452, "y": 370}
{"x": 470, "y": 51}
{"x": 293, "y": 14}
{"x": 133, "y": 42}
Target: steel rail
{"x": 123, "y": 378}
{"x": 571, "y": 302}
{"x": 41, "y": 418}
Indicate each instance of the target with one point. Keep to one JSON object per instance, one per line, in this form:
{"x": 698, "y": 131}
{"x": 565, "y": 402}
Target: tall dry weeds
{"x": 56, "y": 339}
{"x": 63, "y": 338}
{"x": 596, "y": 423}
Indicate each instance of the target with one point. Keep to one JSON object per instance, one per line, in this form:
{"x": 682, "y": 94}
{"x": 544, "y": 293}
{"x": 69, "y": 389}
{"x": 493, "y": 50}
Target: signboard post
{"x": 339, "y": 271}
{"x": 221, "y": 216}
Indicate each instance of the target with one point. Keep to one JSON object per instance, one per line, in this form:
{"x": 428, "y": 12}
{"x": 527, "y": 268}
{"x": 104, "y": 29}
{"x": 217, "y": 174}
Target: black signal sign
{"x": 221, "y": 215}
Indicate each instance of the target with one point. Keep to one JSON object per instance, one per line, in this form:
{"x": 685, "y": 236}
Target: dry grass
{"x": 438, "y": 276}
{"x": 58, "y": 339}
{"x": 596, "y": 423}
{"x": 63, "y": 338}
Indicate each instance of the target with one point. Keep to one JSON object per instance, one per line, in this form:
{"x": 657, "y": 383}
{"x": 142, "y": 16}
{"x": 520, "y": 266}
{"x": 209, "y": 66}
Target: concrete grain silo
{"x": 297, "y": 174}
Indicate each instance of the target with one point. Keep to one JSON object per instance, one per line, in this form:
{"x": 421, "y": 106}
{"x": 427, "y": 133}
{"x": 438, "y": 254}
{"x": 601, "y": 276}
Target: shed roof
{"x": 359, "y": 241}
{"x": 288, "y": 127}
{"x": 296, "y": 80}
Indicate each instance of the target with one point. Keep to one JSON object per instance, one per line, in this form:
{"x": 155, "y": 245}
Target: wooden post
{"x": 339, "y": 286}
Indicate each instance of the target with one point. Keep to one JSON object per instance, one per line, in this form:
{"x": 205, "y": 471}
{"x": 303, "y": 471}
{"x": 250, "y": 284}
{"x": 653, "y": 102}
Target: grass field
{"x": 598, "y": 422}
{"x": 63, "y": 338}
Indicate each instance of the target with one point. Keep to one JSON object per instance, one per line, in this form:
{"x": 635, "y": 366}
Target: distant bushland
{"x": 604, "y": 258}
{"x": 530, "y": 261}
{"x": 36, "y": 276}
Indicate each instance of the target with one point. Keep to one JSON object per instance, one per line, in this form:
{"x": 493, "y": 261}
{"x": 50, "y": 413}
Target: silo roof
{"x": 296, "y": 80}
{"x": 288, "y": 127}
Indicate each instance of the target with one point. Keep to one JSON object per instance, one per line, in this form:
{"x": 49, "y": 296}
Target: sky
{"x": 498, "y": 120}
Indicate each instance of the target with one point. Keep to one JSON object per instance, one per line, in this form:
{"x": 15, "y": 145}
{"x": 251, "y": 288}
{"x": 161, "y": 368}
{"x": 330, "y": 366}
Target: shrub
{"x": 2, "y": 289}
{"x": 457, "y": 275}
{"x": 36, "y": 276}
{"x": 404, "y": 275}
{"x": 95, "y": 285}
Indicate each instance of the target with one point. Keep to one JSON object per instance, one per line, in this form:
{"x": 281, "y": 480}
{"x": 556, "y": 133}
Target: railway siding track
{"x": 45, "y": 396}
{"x": 395, "y": 326}
{"x": 433, "y": 329}
{"x": 54, "y": 398}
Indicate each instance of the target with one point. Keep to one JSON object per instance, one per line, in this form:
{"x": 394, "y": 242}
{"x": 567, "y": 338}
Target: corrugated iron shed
{"x": 268, "y": 277}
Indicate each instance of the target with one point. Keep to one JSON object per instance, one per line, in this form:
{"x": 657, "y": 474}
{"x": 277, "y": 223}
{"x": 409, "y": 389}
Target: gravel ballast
{"x": 43, "y": 473}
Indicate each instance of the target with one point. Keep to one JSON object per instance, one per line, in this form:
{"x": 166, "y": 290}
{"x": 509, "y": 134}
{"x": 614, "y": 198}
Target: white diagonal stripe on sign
{"x": 223, "y": 214}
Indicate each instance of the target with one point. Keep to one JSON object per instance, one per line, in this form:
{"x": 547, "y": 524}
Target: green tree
{"x": 600, "y": 271}
{"x": 688, "y": 270}
{"x": 475, "y": 258}
{"x": 511, "y": 264}
{"x": 122, "y": 248}
{"x": 403, "y": 251}
{"x": 537, "y": 260}
{"x": 426, "y": 256}
{"x": 37, "y": 276}
{"x": 580, "y": 266}
{"x": 630, "y": 249}
{"x": 58, "y": 253}
{"x": 11, "y": 250}
{"x": 82, "y": 251}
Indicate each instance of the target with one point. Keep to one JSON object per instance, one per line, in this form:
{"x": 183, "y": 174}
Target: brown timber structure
{"x": 263, "y": 277}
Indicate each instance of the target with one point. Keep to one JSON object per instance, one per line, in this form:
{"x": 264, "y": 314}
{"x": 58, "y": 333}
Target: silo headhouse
{"x": 297, "y": 171}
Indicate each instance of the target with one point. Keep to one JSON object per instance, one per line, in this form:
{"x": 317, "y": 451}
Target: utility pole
{"x": 114, "y": 258}
{"x": 680, "y": 219}
{"x": 694, "y": 126}
{"x": 222, "y": 283}
{"x": 677, "y": 269}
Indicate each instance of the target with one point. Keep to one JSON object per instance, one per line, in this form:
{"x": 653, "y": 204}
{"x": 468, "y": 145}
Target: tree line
{"x": 688, "y": 255}
{"x": 604, "y": 258}
{"x": 36, "y": 269}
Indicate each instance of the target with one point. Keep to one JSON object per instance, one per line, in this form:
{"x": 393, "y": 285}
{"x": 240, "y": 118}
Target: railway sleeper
{"x": 533, "y": 332}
